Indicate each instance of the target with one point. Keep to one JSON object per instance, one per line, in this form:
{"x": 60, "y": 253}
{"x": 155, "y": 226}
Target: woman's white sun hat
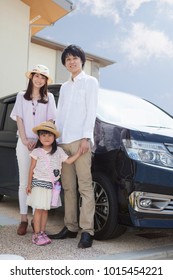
{"x": 40, "y": 69}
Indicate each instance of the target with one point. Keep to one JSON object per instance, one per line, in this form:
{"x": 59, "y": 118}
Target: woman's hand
{"x": 30, "y": 144}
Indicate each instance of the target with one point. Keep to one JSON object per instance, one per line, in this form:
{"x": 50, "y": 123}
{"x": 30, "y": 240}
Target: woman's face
{"x": 39, "y": 80}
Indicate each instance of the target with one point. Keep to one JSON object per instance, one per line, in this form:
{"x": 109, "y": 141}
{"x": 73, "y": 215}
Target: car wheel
{"x": 1, "y": 196}
{"x": 106, "y": 209}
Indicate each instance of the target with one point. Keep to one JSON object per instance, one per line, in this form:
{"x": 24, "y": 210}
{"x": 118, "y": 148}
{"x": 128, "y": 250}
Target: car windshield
{"x": 131, "y": 111}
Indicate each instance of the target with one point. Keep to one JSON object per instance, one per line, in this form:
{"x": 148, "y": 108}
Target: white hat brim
{"x": 28, "y": 75}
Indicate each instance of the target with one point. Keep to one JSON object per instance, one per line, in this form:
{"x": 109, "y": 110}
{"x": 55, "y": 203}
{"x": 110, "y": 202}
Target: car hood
{"x": 154, "y": 130}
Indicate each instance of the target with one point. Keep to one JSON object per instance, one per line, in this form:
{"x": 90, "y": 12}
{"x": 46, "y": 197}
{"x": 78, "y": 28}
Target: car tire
{"x": 106, "y": 208}
{"x": 1, "y": 197}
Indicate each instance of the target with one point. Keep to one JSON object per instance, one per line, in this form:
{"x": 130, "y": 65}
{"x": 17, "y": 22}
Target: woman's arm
{"x": 21, "y": 130}
{"x": 30, "y": 144}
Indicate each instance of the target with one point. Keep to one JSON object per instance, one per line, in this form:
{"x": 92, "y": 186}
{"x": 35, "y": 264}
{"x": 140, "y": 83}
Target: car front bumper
{"x": 151, "y": 209}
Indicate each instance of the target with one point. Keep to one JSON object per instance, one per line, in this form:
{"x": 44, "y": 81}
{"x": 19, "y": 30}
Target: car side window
{"x": 9, "y": 124}
{"x": 54, "y": 89}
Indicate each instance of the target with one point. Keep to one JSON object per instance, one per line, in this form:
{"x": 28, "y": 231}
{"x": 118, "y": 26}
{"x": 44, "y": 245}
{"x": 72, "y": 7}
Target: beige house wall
{"x": 52, "y": 59}
{"x": 42, "y": 55}
{"x": 18, "y": 54}
{"x": 14, "y": 33}
{"x": 61, "y": 74}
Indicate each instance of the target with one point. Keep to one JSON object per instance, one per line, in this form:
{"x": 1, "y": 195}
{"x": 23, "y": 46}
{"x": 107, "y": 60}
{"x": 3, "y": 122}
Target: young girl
{"x": 45, "y": 168}
{"x": 33, "y": 106}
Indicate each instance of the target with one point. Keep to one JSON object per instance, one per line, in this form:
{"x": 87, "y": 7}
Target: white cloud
{"x": 112, "y": 9}
{"x": 166, "y": 2}
{"x": 144, "y": 43}
{"x": 164, "y": 9}
{"x": 164, "y": 100}
{"x": 100, "y": 8}
{"x": 134, "y": 5}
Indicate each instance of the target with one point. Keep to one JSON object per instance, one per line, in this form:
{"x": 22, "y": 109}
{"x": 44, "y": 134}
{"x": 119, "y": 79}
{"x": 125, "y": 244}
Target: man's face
{"x": 73, "y": 64}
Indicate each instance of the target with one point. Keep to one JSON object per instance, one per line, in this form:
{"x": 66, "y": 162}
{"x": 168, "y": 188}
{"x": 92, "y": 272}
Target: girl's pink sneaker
{"x": 48, "y": 240}
{"x": 38, "y": 239}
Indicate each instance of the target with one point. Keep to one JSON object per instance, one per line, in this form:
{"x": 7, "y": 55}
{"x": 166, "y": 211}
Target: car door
{"x": 8, "y": 161}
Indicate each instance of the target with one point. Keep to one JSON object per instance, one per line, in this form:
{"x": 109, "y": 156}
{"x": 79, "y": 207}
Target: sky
{"x": 136, "y": 34}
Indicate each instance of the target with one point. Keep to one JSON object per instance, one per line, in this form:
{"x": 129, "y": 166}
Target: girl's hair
{"x": 43, "y": 91}
{"x": 39, "y": 144}
{"x": 74, "y": 51}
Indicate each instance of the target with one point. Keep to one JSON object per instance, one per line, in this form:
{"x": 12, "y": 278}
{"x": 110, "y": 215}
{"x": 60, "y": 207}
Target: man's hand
{"x": 84, "y": 145}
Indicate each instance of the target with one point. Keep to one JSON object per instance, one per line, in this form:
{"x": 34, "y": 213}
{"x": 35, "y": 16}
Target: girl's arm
{"x": 71, "y": 159}
{"x": 32, "y": 166}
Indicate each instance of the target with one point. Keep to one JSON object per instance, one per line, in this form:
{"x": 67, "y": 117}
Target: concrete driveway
{"x": 133, "y": 244}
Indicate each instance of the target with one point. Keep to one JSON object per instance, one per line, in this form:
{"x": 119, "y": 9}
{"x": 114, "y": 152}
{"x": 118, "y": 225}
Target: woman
{"x": 32, "y": 107}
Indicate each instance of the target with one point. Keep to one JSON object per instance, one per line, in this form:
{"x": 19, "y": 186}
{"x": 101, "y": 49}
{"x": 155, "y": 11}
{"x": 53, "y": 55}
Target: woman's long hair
{"x": 43, "y": 91}
{"x": 40, "y": 145}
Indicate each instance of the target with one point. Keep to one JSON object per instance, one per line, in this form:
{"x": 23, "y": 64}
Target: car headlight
{"x": 148, "y": 152}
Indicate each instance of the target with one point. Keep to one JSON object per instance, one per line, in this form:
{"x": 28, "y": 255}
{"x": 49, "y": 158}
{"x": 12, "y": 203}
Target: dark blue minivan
{"x": 132, "y": 163}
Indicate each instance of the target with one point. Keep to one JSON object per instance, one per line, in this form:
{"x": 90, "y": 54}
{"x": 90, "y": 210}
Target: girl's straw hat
{"x": 40, "y": 69}
{"x": 47, "y": 126}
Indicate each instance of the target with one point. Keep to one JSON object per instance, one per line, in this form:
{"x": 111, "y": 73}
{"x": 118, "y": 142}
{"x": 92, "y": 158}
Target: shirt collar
{"x": 78, "y": 77}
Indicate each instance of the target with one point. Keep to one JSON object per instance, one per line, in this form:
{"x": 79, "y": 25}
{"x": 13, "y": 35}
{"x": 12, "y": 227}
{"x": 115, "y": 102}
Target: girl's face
{"x": 46, "y": 138}
{"x": 39, "y": 80}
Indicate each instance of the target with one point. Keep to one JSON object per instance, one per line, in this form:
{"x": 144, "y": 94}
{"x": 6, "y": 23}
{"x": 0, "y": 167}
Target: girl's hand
{"x": 79, "y": 152}
{"x": 28, "y": 189}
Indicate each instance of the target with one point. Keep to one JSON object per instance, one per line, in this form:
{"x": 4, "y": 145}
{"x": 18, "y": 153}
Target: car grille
{"x": 169, "y": 207}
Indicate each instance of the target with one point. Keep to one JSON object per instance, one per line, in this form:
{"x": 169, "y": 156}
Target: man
{"x": 76, "y": 114}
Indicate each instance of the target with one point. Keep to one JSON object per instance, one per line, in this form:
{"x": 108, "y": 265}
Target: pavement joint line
{"x": 152, "y": 254}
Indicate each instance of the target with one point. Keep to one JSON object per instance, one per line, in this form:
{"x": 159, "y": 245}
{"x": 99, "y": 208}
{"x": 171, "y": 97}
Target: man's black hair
{"x": 74, "y": 51}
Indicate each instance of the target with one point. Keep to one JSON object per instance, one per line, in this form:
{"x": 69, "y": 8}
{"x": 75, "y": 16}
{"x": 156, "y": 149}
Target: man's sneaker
{"x": 48, "y": 240}
{"x": 38, "y": 239}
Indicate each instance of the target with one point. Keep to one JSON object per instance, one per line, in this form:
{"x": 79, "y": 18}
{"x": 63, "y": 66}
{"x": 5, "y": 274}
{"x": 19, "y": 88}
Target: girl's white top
{"x": 44, "y": 167}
